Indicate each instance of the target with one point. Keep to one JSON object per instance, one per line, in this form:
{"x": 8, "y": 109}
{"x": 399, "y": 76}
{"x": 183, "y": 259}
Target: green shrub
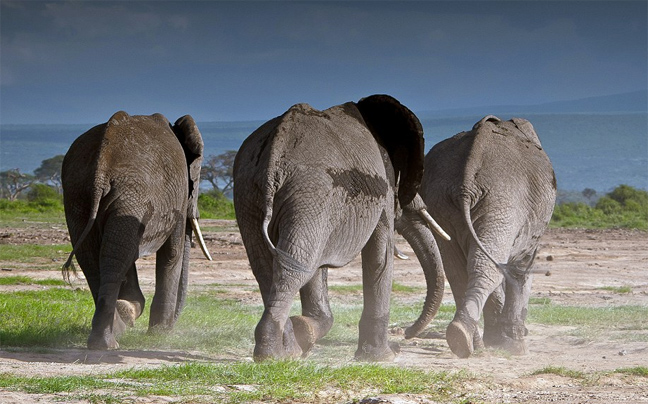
{"x": 35, "y": 206}
{"x": 42, "y": 192}
{"x": 624, "y": 207}
{"x": 215, "y": 205}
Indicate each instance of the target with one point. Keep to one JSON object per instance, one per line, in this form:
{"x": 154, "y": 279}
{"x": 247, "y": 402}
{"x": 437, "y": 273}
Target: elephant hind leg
{"x": 168, "y": 273}
{"x": 377, "y": 273}
{"x": 316, "y": 319}
{"x": 130, "y": 303}
{"x": 119, "y": 250}
{"x": 274, "y": 335}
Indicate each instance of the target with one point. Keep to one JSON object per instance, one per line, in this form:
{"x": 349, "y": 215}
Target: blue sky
{"x": 80, "y": 61}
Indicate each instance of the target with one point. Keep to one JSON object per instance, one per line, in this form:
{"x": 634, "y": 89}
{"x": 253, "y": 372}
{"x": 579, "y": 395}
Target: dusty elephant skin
{"x": 313, "y": 189}
{"x": 493, "y": 189}
{"x": 131, "y": 189}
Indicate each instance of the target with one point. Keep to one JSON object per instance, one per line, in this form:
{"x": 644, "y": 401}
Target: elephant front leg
{"x": 377, "y": 268}
{"x": 316, "y": 319}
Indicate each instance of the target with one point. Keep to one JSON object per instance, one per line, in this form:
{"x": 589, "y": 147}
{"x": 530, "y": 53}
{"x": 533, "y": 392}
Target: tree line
{"x": 217, "y": 171}
{"x": 624, "y": 206}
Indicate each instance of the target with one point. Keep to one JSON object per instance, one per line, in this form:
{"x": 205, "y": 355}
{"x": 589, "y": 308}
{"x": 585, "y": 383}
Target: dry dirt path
{"x": 574, "y": 267}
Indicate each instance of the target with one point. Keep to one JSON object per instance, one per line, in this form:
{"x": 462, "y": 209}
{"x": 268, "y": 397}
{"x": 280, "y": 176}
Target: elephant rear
{"x": 281, "y": 173}
{"x": 129, "y": 187}
{"x": 495, "y": 189}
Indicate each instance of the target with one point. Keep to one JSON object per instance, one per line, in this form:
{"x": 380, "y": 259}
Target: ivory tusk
{"x": 199, "y": 236}
{"x": 433, "y": 224}
{"x": 399, "y": 254}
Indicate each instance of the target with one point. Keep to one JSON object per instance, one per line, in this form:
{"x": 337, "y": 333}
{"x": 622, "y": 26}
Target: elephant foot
{"x": 128, "y": 311}
{"x": 272, "y": 346}
{"x": 459, "y": 339}
{"x": 516, "y": 347}
{"x": 306, "y": 334}
{"x": 368, "y": 353}
{"x": 508, "y": 338}
{"x": 102, "y": 343}
{"x": 463, "y": 337}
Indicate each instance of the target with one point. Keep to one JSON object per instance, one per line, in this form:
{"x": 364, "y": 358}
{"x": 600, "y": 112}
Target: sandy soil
{"x": 571, "y": 268}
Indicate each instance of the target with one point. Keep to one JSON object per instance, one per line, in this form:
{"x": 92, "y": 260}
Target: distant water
{"x": 588, "y": 151}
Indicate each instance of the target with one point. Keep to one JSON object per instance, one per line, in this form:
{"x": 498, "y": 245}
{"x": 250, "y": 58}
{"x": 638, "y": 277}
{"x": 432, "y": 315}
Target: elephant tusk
{"x": 433, "y": 224}
{"x": 199, "y": 236}
{"x": 399, "y": 254}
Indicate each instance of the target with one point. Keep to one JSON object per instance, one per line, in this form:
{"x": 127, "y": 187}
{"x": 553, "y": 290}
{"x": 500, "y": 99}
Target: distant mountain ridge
{"x": 636, "y": 101}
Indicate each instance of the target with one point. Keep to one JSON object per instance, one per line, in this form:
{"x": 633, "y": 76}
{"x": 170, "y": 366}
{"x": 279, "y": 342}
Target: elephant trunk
{"x": 412, "y": 226}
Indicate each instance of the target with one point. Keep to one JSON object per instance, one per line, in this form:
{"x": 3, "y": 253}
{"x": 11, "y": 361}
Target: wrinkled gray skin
{"x": 130, "y": 188}
{"x": 313, "y": 189}
{"x": 493, "y": 190}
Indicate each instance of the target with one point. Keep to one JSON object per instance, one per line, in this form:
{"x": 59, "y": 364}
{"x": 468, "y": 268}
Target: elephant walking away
{"x": 493, "y": 190}
{"x": 130, "y": 188}
{"x": 312, "y": 190}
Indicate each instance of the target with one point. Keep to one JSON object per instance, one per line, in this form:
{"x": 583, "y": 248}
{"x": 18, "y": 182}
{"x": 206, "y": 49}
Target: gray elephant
{"x": 130, "y": 188}
{"x": 493, "y": 189}
{"x": 312, "y": 190}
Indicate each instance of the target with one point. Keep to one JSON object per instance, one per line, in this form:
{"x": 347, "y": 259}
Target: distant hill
{"x": 636, "y": 101}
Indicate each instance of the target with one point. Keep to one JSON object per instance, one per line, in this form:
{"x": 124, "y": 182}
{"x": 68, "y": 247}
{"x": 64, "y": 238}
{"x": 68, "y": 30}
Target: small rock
{"x": 623, "y": 352}
{"x": 550, "y": 258}
{"x": 548, "y": 273}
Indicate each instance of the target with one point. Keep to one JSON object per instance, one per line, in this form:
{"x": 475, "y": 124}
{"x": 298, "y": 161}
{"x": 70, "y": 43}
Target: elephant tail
{"x": 266, "y": 235}
{"x": 466, "y": 211}
{"x": 69, "y": 265}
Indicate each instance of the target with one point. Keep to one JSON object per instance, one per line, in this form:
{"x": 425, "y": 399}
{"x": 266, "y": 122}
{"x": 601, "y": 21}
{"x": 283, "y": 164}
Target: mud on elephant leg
{"x": 316, "y": 319}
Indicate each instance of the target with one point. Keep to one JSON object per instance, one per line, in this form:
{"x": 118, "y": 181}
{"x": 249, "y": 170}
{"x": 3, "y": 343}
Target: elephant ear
{"x": 187, "y": 132}
{"x": 399, "y": 131}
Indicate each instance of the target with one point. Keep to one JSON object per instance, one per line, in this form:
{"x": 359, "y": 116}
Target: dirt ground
{"x": 574, "y": 267}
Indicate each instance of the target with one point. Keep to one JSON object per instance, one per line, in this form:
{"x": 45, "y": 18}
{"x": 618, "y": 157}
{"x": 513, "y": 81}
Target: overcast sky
{"x": 80, "y": 61}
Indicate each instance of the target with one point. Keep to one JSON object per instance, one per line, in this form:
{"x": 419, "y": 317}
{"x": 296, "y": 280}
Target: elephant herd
{"x": 312, "y": 190}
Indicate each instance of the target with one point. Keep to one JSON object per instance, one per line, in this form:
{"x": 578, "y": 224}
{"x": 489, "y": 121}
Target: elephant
{"x": 130, "y": 188}
{"x": 494, "y": 190}
{"x": 312, "y": 190}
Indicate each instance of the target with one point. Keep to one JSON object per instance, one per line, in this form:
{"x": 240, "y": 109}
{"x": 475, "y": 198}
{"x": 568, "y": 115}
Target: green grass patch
{"x": 272, "y": 381}
{"x": 635, "y": 371}
{"x": 26, "y": 280}
{"x": 54, "y": 317}
{"x": 619, "y": 322}
{"x": 561, "y": 371}
{"x": 398, "y": 288}
{"x": 207, "y": 323}
{"x": 47, "y": 257}
{"x": 22, "y": 214}
{"x": 617, "y": 289}
{"x": 540, "y": 300}
{"x": 357, "y": 288}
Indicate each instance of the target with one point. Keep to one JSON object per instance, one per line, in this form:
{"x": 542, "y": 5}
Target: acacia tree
{"x": 218, "y": 171}
{"x": 13, "y": 183}
{"x": 50, "y": 171}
